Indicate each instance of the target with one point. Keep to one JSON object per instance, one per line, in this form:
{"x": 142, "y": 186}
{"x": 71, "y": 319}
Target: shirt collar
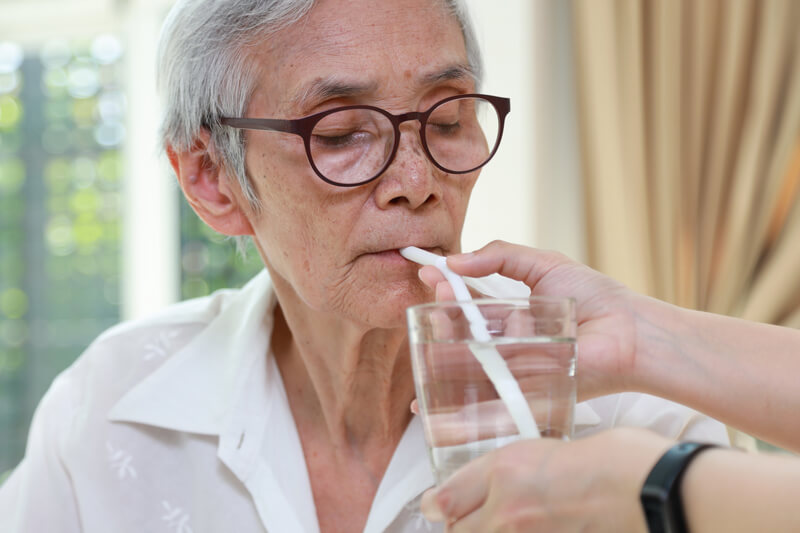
{"x": 195, "y": 389}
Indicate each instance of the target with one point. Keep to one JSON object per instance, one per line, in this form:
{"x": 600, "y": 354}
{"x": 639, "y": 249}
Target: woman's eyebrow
{"x": 449, "y": 73}
{"x": 322, "y": 89}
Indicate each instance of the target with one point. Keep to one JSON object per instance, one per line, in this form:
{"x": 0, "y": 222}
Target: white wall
{"x": 560, "y": 220}
{"x": 530, "y": 193}
{"x": 151, "y": 248}
{"x": 503, "y": 201}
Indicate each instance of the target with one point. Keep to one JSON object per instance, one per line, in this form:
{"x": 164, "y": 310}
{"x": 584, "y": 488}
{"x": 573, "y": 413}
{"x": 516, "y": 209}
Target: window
{"x": 64, "y": 125}
{"x": 61, "y": 130}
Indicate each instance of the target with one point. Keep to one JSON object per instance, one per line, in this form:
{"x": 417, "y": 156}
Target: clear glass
{"x": 461, "y": 411}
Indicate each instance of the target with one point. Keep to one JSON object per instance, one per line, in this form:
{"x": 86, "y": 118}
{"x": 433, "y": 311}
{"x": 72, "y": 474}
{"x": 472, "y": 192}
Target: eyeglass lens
{"x": 353, "y": 145}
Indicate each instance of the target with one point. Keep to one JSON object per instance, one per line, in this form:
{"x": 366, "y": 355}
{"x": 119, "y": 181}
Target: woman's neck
{"x": 353, "y": 383}
{"x": 349, "y": 391}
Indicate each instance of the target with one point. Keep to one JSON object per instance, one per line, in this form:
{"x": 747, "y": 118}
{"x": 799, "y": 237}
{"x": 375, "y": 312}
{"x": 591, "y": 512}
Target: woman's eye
{"x": 446, "y": 128}
{"x": 339, "y": 140}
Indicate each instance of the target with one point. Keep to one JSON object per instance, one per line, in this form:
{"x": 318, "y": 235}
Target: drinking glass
{"x": 458, "y": 371}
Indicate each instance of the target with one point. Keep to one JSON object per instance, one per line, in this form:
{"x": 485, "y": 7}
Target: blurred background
{"x": 659, "y": 141}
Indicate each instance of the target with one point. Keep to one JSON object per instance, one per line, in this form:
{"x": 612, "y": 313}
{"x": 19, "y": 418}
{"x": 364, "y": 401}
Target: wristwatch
{"x": 661, "y": 496}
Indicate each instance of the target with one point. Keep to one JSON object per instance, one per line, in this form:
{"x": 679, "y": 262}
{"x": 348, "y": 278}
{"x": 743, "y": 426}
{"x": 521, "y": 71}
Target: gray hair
{"x": 203, "y": 74}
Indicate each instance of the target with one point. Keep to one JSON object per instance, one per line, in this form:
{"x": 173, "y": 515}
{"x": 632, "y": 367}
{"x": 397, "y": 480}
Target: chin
{"x": 388, "y": 309}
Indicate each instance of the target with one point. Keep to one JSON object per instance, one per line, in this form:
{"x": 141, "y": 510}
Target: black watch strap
{"x": 661, "y": 498}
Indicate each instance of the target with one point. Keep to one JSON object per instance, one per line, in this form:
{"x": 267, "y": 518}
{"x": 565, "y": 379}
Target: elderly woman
{"x": 332, "y": 133}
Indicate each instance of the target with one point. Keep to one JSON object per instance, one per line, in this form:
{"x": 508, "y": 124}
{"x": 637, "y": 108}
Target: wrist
{"x": 634, "y": 452}
{"x": 660, "y": 347}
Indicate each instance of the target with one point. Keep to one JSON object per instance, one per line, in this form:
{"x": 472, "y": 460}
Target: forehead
{"x": 384, "y": 48}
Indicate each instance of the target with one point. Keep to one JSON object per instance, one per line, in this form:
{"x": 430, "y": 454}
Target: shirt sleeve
{"x": 667, "y": 418}
{"x": 38, "y": 496}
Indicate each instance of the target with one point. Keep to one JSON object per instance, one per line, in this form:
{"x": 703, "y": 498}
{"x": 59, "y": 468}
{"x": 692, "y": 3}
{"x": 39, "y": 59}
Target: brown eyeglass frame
{"x": 304, "y": 126}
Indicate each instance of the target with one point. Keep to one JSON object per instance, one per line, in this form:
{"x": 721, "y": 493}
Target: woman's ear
{"x": 209, "y": 189}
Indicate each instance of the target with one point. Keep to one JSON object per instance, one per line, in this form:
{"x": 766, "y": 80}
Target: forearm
{"x": 731, "y": 491}
{"x": 742, "y": 373}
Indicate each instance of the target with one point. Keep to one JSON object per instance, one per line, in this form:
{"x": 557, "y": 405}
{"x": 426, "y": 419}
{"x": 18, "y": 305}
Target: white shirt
{"x": 180, "y": 424}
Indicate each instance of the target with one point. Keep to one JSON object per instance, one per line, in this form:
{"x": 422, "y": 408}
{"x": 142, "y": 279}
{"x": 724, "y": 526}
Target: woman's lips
{"x": 393, "y": 256}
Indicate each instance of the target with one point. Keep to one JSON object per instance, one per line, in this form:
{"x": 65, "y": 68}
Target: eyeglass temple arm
{"x": 269, "y": 124}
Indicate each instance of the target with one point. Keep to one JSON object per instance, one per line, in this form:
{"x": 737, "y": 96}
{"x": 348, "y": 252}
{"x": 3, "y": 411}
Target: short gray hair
{"x": 203, "y": 74}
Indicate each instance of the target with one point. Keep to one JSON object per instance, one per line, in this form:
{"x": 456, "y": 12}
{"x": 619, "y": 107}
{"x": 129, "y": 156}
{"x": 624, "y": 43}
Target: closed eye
{"x": 446, "y": 128}
{"x": 341, "y": 140}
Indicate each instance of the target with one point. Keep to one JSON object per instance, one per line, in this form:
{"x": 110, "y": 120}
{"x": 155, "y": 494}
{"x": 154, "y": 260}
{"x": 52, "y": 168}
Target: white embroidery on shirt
{"x": 175, "y": 517}
{"x": 161, "y": 345}
{"x": 120, "y": 460}
{"x": 415, "y": 513}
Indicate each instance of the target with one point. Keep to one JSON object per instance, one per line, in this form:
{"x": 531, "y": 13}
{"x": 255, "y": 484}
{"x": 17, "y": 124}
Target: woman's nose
{"x": 411, "y": 180}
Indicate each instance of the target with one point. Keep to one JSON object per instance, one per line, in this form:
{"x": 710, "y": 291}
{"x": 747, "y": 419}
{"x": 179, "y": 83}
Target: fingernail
{"x": 414, "y": 406}
{"x": 430, "y": 509}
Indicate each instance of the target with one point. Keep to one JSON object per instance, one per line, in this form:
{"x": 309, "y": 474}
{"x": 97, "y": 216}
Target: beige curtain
{"x": 689, "y": 117}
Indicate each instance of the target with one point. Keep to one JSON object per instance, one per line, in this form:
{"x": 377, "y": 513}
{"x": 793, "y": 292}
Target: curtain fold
{"x": 689, "y": 119}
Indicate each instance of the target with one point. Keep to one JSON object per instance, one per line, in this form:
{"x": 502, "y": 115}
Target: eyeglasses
{"x": 353, "y": 145}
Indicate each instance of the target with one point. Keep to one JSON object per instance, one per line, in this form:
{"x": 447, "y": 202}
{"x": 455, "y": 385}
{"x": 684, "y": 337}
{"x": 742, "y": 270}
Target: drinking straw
{"x": 487, "y": 355}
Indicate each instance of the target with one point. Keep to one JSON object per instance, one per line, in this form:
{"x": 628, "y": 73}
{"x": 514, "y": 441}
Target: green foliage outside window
{"x": 209, "y": 261}
{"x": 62, "y": 131}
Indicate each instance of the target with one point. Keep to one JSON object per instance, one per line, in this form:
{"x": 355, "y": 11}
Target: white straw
{"x": 490, "y": 359}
